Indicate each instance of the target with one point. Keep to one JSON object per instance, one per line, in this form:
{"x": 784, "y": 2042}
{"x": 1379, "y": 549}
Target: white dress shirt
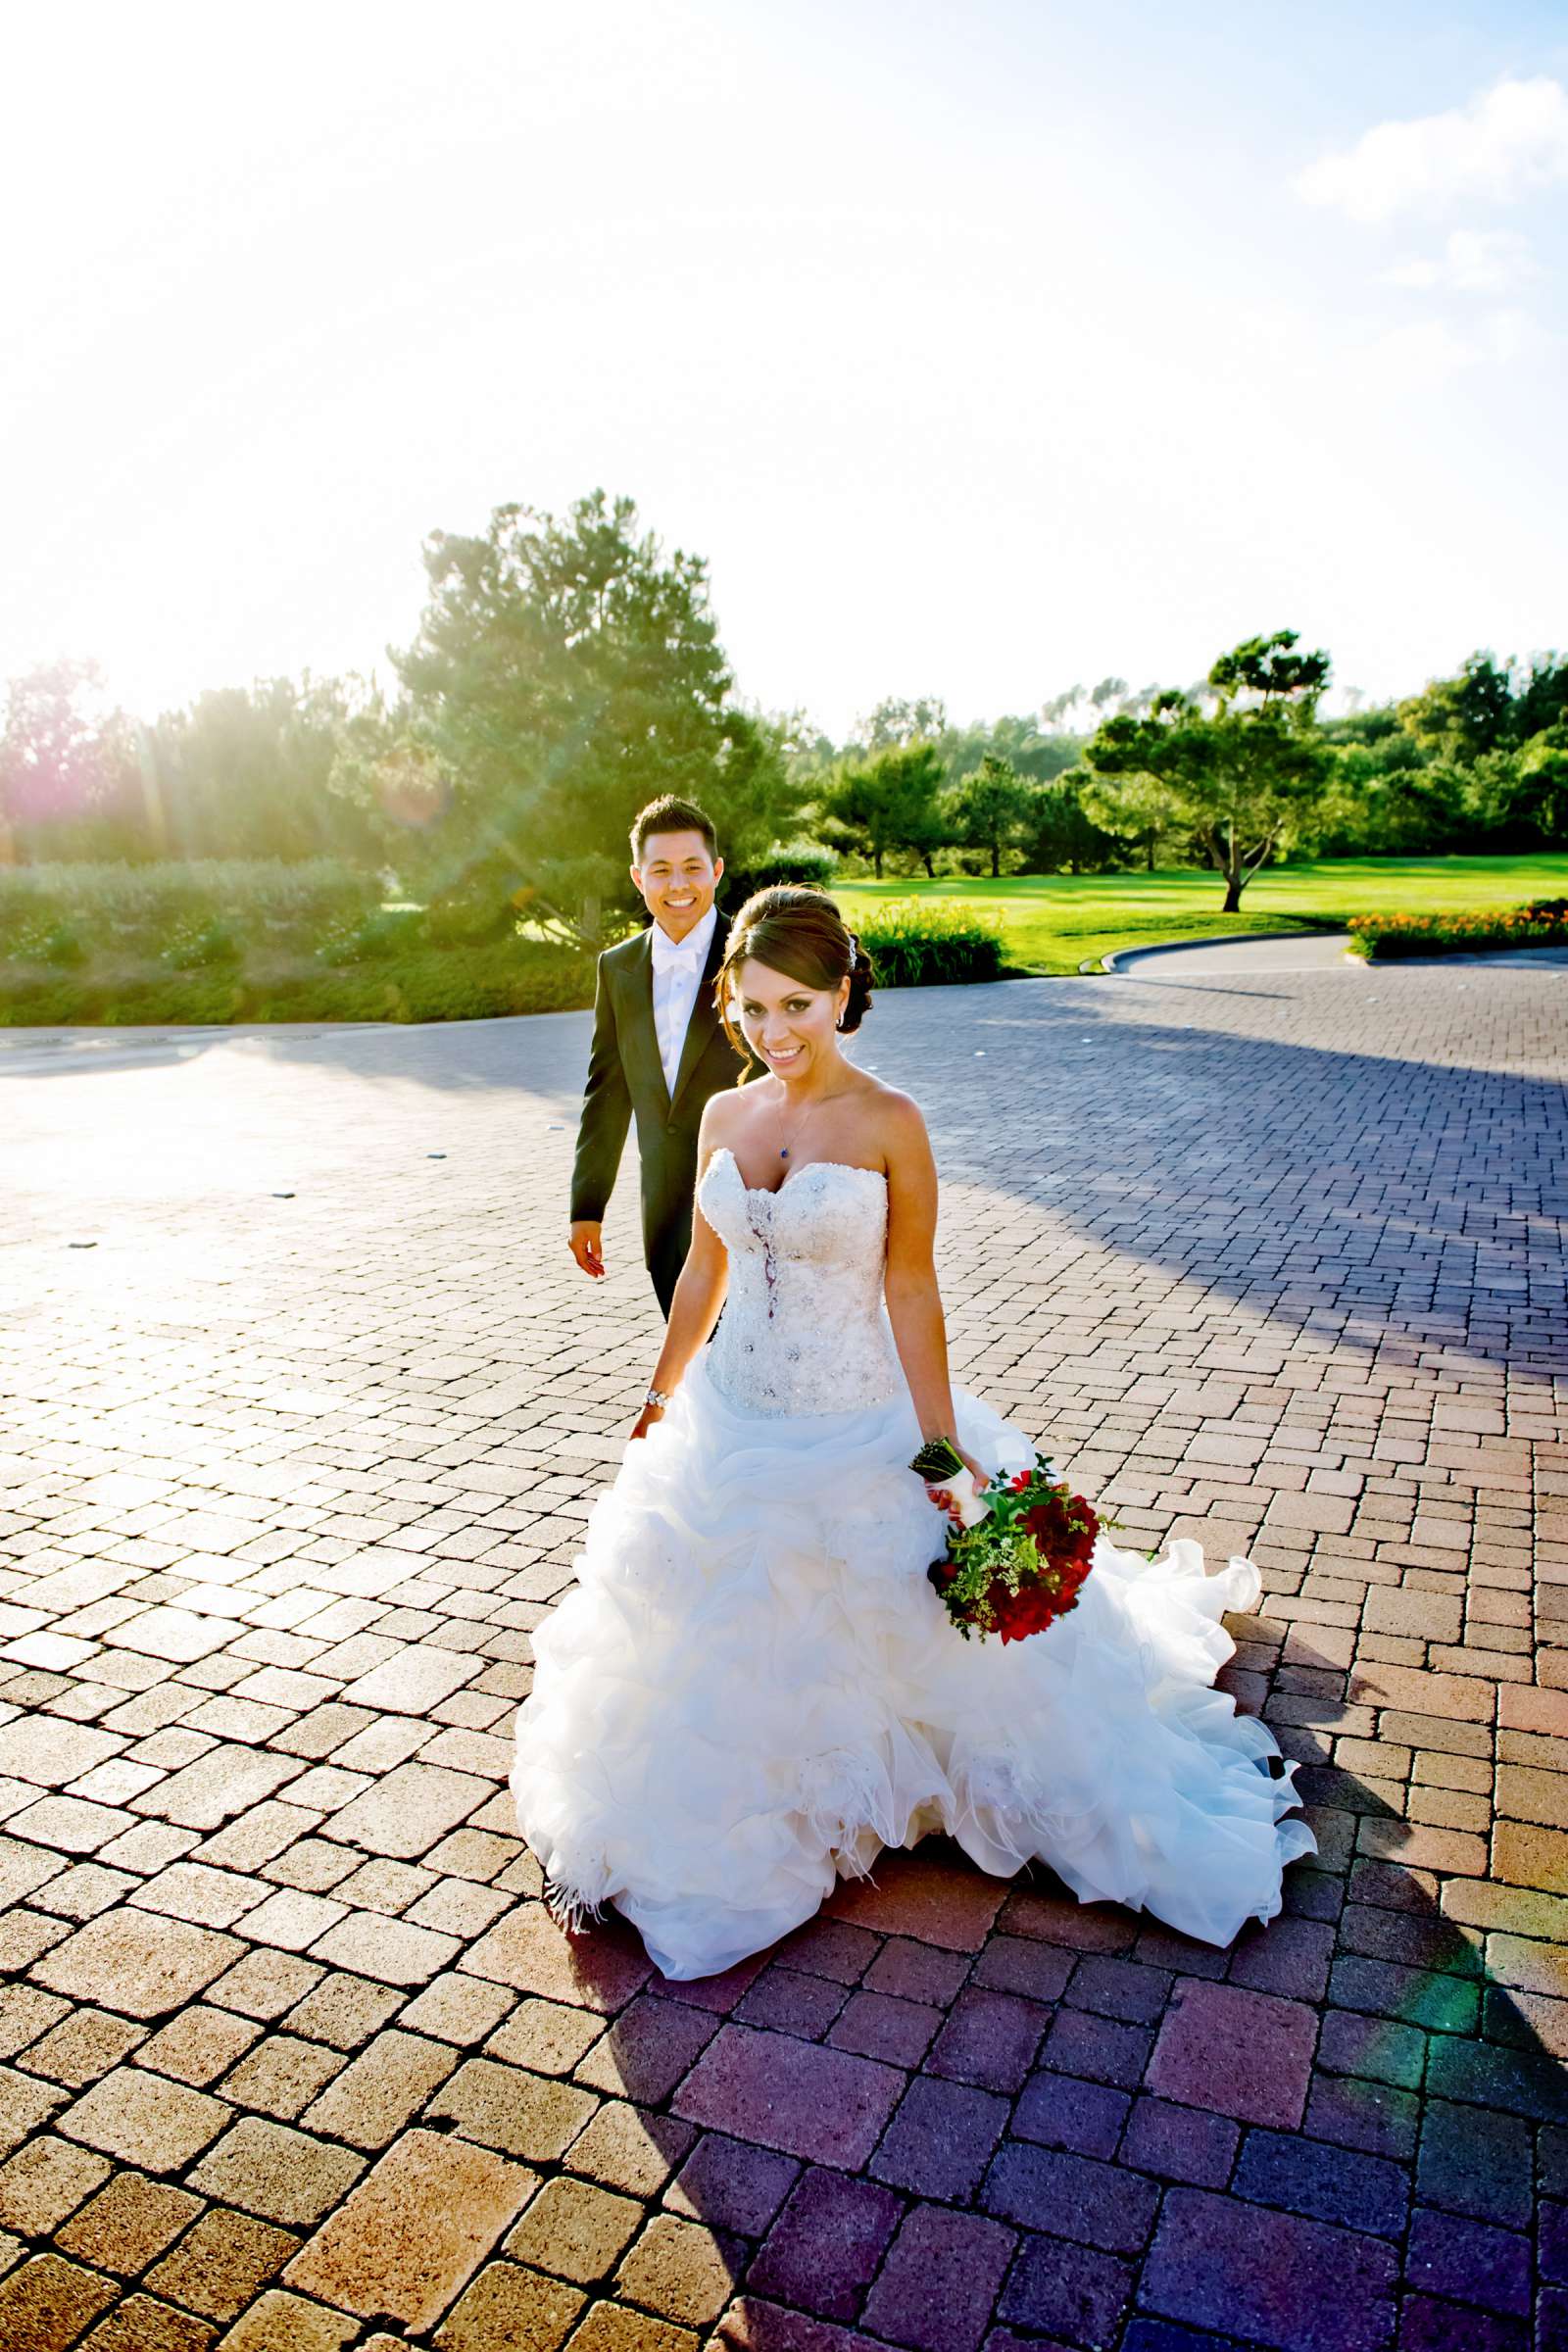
{"x": 677, "y": 976}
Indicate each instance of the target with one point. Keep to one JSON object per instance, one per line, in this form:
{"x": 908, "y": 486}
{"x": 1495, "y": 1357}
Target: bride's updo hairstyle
{"x": 799, "y": 931}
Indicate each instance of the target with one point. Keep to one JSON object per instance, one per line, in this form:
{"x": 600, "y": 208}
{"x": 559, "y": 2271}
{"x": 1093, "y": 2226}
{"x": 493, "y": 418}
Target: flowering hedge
{"x": 918, "y": 943}
{"x": 1378, "y": 938}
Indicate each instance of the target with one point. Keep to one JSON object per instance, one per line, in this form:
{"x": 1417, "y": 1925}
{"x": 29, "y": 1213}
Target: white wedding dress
{"x": 753, "y": 1688}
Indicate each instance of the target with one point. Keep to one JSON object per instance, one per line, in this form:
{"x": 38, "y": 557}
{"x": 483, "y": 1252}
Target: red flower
{"x": 1062, "y": 1524}
{"x": 1017, "y": 1598}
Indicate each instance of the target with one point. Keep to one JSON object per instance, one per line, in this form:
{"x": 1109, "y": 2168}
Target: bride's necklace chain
{"x": 810, "y": 1113}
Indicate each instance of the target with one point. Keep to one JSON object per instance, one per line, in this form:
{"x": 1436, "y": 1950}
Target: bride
{"x": 753, "y": 1687}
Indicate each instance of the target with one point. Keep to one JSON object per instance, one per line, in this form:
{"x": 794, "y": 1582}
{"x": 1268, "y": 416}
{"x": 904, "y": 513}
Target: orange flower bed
{"x": 1378, "y": 938}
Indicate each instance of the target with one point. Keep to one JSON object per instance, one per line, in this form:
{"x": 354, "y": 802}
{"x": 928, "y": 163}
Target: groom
{"x": 658, "y": 1050}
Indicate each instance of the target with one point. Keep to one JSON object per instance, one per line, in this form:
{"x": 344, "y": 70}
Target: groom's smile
{"x": 677, "y": 879}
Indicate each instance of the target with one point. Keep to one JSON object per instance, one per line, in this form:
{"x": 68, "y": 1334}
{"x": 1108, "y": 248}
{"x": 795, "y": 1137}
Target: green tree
{"x": 1465, "y": 717}
{"x": 1540, "y": 695}
{"x": 1242, "y": 764}
{"x": 890, "y": 801}
{"x": 1139, "y": 808}
{"x": 896, "y": 722}
{"x": 1542, "y": 794}
{"x": 988, "y": 809}
{"x": 1485, "y": 746}
{"x": 1060, "y": 830}
{"x": 1089, "y": 707}
{"x": 1035, "y": 757}
{"x": 1491, "y": 706}
{"x": 566, "y": 672}
{"x": 246, "y": 771}
{"x": 69, "y": 784}
{"x": 1384, "y": 797}
{"x": 387, "y": 769}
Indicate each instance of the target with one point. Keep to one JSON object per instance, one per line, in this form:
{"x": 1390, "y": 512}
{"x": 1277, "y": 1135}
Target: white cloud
{"x": 1512, "y": 334}
{"x": 1429, "y": 348}
{"x": 1422, "y": 349}
{"x": 1505, "y": 143}
{"x": 1473, "y": 261}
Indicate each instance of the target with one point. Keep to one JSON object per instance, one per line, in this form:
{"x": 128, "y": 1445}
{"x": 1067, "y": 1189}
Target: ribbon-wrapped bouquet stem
{"x": 1017, "y": 1551}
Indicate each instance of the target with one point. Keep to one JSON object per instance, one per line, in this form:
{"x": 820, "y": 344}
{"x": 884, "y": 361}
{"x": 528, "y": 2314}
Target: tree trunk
{"x": 930, "y": 868}
{"x": 996, "y": 863}
{"x": 1151, "y": 847}
{"x": 876, "y": 859}
{"x": 1233, "y": 894}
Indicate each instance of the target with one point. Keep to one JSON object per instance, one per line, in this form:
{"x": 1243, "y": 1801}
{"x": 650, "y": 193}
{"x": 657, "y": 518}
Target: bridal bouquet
{"x": 1018, "y": 1550}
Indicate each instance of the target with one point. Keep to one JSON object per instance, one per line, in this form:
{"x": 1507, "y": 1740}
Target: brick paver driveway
{"x": 304, "y": 1408}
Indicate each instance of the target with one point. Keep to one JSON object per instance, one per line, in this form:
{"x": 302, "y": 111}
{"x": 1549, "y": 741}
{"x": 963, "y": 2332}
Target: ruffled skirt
{"x": 753, "y": 1688}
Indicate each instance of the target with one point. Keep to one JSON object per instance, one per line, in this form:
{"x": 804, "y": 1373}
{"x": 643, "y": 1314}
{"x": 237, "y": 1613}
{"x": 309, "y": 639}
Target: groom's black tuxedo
{"x": 626, "y": 1076}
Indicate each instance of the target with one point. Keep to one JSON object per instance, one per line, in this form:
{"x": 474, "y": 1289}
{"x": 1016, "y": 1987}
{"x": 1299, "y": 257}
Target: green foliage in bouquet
{"x": 1020, "y": 1567}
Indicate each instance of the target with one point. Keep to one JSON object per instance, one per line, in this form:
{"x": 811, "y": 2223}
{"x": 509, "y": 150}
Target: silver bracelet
{"x": 656, "y": 1398}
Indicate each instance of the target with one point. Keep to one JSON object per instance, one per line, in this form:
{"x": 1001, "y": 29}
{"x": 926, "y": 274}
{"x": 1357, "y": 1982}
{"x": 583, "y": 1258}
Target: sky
{"x": 981, "y": 348}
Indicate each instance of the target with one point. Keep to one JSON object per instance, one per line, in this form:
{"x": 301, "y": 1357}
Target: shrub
{"x": 809, "y": 862}
{"x": 469, "y": 922}
{"x": 143, "y": 909}
{"x": 420, "y": 984}
{"x": 405, "y": 930}
{"x": 1380, "y": 938}
{"x": 31, "y": 998}
{"x": 265, "y": 942}
{"x": 924, "y": 943}
{"x": 388, "y": 931}
{"x": 192, "y": 949}
{"x": 43, "y": 942}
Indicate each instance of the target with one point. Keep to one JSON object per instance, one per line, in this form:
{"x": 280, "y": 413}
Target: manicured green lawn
{"x": 1052, "y": 922}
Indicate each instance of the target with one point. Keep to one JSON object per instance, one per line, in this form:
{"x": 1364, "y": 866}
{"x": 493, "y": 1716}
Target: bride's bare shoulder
{"x": 899, "y": 1120}
{"x": 724, "y": 1117}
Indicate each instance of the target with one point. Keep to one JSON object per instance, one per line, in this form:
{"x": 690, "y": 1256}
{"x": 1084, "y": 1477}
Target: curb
{"x": 1175, "y": 946}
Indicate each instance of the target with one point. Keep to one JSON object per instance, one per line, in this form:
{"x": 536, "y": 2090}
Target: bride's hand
{"x": 936, "y": 1487}
{"x": 645, "y": 1421}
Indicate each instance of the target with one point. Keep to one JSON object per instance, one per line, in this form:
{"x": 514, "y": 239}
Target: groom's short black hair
{"x": 668, "y": 815}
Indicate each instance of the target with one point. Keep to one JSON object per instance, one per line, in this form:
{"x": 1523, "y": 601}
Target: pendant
{"x": 783, "y": 1150}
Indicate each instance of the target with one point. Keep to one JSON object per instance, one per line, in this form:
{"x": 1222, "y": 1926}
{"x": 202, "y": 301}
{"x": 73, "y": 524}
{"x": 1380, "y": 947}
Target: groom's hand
{"x": 586, "y": 1247}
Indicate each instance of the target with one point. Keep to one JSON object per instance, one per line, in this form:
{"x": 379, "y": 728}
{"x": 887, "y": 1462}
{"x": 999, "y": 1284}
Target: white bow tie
{"x": 671, "y": 954}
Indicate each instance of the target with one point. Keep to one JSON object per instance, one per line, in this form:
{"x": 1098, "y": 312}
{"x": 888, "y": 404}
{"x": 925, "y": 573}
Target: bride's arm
{"x": 914, "y": 1303}
{"x": 699, "y": 1295}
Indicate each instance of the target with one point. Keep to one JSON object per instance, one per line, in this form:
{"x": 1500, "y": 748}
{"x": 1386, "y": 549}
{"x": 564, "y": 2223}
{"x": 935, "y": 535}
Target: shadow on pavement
{"x": 1332, "y": 2128}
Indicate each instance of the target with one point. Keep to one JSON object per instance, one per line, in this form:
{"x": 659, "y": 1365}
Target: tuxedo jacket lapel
{"x": 641, "y": 1044}
{"x": 703, "y": 1023}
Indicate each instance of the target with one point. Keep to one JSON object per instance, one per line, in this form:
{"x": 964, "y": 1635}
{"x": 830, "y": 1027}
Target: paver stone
{"x": 415, "y": 2230}
{"x": 138, "y": 1961}
{"x": 824, "y": 2104}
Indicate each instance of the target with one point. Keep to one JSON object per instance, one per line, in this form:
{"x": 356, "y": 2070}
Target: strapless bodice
{"x": 805, "y": 1329}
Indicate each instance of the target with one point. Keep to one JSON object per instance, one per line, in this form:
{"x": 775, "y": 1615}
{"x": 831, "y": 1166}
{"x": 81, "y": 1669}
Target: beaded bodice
{"x": 804, "y": 1329}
